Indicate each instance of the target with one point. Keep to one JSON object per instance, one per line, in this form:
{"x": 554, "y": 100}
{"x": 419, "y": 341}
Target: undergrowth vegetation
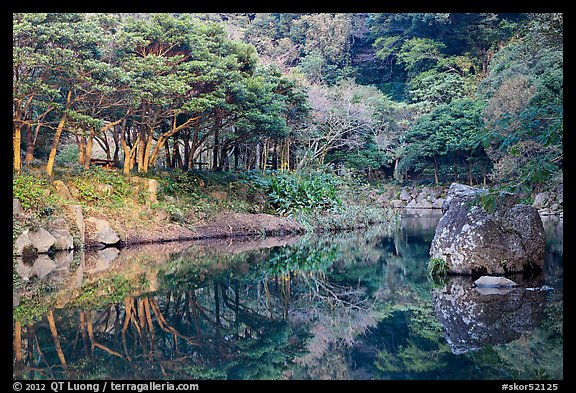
{"x": 318, "y": 200}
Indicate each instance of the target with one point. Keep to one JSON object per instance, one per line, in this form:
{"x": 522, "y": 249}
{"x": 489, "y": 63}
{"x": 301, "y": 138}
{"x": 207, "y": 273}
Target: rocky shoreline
{"x": 74, "y": 231}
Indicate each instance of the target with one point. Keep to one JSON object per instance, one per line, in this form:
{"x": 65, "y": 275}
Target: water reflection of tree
{"x": 220, "y": 325}
{"x": 341, "y": 306}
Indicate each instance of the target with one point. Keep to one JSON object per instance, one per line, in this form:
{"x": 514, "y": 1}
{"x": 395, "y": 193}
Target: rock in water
{"x": 503, "y": 237}
{"x": 494, "y": 282}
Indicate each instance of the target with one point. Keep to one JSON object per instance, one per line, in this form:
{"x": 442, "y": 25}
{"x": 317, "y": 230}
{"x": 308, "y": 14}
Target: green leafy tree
{"x": 453, "y": 128}
{"x": 524, "y": 112}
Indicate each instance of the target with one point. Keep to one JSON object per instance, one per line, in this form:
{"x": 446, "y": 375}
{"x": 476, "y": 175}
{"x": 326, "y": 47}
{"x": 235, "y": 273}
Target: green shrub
{"x": 33, "y": 192}
{"x": 437, "y": 269}
{"x": 291, "y": 193}
{"x": 68, "y": 155}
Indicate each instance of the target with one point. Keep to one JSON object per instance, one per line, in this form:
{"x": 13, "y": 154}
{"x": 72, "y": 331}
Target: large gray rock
{"x": 16, "y": 207}
{"x": 397, "y": 203}
{"x": 75, "y": 212}
{"x": 437, "y": 204}
{"x": 41, "y": 239}
{"x": 59, "y": 229}
{"x": 404, "y": 195}
{"x": 100, "y": 231}
{"x": 474, "y": 239}
{"x": 540, "y": 200}
{"x": 23, "y": 245}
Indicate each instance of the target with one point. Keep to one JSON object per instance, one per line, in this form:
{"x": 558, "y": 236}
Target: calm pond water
{"x": 355, "y": 305}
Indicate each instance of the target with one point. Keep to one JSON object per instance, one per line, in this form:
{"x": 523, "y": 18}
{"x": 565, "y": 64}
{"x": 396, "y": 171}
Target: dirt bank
{"x": 224, "y": 225}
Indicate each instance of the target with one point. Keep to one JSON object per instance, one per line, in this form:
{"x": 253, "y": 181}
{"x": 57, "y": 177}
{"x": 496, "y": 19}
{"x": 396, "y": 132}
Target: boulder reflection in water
{"x": 474, "y": 318}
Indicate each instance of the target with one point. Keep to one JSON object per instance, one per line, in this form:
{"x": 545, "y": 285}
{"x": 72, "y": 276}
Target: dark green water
{"x": 346, "y": 306}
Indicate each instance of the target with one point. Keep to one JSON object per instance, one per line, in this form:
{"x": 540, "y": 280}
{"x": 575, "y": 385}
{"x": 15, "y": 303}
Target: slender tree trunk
{"x": 469, "y": 172}
{"x": 215, "y": 151}
{"x": 116, "y": 156}
{"x": 88, "y": 154}
{"x": 258, "y": 156}
{"x": 436, "y": 180}
{"x": 265, "y": 155}
{"x": 31, "y": 139}
{"x": 81, "y": 142}
{"x": 194, "y": 146}
{"x": 29, "y": 145}
{"x": 59, "y": 129}
{"x": 129, "y": 152}
{"x": 275, "y": 155}
{"x": 288, "y": 142}
{"x": 141, "y": 147}
{"x": 53, "y": 150}
{"x": 186, "y": 141}
{"x": 16, "y": 139}
{"x": 177, "y": 157}
{"x": 167, "y": 156}
{"x": 236, "y": 156}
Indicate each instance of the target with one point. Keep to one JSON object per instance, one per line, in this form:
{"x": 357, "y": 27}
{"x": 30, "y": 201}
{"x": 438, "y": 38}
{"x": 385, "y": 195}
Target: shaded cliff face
{"x": 475, "y": 317}
{"x": 472, "y": 239}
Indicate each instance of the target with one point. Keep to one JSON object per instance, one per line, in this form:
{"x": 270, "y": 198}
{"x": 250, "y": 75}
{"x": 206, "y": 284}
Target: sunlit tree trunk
{"x": 88, "y": 154}
{"x": 56, "y": 140}
{"x": 30, "y": 145}
{"x": 16, "y": 139}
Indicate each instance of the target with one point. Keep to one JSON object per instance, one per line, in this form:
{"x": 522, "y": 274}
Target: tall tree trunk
{"x": 56, "y": 140}
{"x": 236, "y": 156}
{"x": 215, "y": 151}
{"x": 176, "y": 156}
{"x": 31, "y": 139}
{"x": 16, "y": 139}
{"x": 436, "y": 180}
{"x": 167, "y": 156}
{"x": 186, "y": 141}
{"x": 129, "y": 152}
{"x": 81, "y": 142}
{"x": 88, "y": 154}
{"x": 275, "y": 155}
{"x": 470, "y": 171}
{"x": 30, "y": 145}
{"x": 194, "y": 146}
{"x": 258, "y": 156}
{"x": 141, "y": 147}
{"x": 116, "y": 156}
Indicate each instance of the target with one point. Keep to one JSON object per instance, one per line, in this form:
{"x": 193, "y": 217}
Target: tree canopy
{"x": 392, "y": 94}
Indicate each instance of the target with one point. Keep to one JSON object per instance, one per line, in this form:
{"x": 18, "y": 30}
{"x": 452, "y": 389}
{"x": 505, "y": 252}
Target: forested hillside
{"x": 419, "y": 97}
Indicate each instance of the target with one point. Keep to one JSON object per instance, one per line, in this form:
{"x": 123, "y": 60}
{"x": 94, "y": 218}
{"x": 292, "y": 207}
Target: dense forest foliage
{"x": 429, "y": 97}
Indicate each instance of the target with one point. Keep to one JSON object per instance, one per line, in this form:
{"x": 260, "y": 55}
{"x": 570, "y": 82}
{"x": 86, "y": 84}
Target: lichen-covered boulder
{"x": 501, "y": 238}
